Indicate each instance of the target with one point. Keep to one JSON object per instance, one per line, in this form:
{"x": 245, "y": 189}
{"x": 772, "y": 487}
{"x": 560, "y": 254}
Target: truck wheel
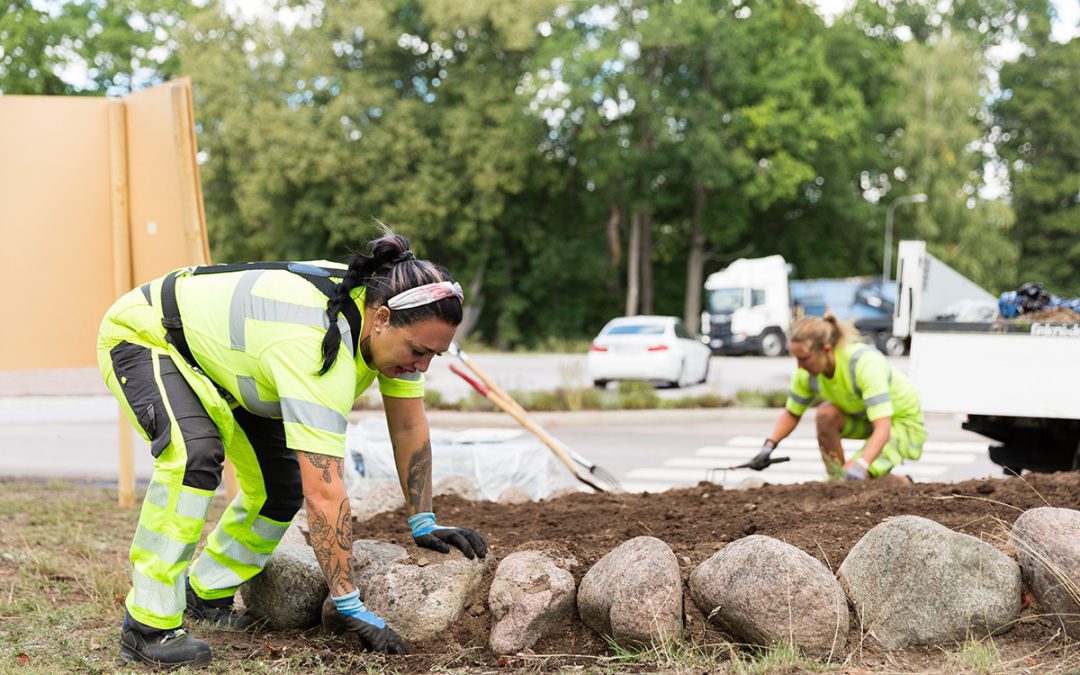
{"x": 772, "y": 343}
{"x": 600, "y": 384}
{"x": 894, "y": 346}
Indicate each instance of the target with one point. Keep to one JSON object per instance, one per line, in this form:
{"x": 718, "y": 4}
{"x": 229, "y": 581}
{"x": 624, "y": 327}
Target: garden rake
{"x": 504, "y": 402}
{"x": 710, "y": 475}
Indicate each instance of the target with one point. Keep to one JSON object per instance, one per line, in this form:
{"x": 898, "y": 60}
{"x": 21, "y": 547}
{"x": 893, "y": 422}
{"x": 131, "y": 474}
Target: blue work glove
{"x": 427, "y": 533}
{"x": 373, "y": 632}
{"x": 856, "y": 470}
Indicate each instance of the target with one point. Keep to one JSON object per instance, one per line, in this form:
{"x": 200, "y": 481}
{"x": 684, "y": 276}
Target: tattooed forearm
{"x": 326, "y": 463}
{"x": 332, "y": 543}
{"x": 419, "y": 480}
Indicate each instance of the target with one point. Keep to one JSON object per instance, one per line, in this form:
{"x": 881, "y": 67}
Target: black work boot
{"x": 220, "y": 613}
{"x": 171, "y": 648}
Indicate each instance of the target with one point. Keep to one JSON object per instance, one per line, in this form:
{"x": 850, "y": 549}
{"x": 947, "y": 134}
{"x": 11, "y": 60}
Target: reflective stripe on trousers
{"x": 236, "y": 550}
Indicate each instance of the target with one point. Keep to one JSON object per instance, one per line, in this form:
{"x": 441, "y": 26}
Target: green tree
{"x": 719, "y": 126}
{"x": 1040, "y": 142}
{"x": 939, "y": 152}
{"x": 90, "y": 47}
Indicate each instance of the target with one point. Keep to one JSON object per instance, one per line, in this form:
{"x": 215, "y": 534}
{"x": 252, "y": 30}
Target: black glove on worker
{"x": 761, "y": 460}
{"x": 372, "y": 631}
{"x": 428, "y": 534}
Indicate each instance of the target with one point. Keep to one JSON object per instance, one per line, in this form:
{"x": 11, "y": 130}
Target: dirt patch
{"x": 823, "y": 519}
{"x": 70, "y": 581}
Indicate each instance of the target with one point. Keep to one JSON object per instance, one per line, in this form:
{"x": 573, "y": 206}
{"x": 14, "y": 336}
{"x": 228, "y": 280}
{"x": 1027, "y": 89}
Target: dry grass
{"x": 64, "y": 573}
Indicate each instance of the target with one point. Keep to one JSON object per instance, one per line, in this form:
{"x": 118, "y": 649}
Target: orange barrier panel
{"x": 56, "y": 258}
{"x": 71, "y": 190}
{"x": 96, "y": 196}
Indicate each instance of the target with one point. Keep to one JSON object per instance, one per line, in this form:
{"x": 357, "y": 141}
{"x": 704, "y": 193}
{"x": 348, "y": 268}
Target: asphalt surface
{"x": 64, "y": 424}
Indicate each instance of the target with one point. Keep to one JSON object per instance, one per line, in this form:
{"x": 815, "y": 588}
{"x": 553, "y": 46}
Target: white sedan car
{"x": 654, "y": 348}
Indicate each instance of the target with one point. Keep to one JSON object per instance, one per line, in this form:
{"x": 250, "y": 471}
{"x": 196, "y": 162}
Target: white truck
{"x": 750, "y": 304}
{"x": 748, "y": 307}
{"x": 1017, "y": 381}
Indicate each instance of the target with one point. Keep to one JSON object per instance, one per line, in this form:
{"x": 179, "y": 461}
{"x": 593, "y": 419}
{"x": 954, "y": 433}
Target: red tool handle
{"x": 481, "y": 389}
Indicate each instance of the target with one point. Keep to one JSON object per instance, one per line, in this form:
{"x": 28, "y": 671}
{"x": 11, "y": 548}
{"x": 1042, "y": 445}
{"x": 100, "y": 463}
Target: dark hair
{"x": 388, "y": 269}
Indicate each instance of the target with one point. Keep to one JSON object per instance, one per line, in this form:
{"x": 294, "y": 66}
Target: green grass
{"x": 628, "y": 395}
{"x": 692, "y": 657}
{"x": 978, "y": 656}
{"x": 63, "y": 576}
{"x": 781, "y": 658}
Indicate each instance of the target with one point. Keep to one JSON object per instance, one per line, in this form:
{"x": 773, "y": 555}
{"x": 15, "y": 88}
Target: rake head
{"x": 605, "y": 476}
{"x": 711, "y": 474}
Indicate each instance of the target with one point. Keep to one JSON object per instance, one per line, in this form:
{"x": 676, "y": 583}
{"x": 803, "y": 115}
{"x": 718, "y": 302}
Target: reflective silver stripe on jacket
{"x": 800, "y": 399}
{"x": 249, "y": 395}
{"x": 851, "y": 369}
{"x": 877, "y": 400}
{"x": 313, "y": 415}
{"x": 246, "y": 305}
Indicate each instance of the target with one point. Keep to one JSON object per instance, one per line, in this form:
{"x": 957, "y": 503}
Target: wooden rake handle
{"x": 519, "y": 416}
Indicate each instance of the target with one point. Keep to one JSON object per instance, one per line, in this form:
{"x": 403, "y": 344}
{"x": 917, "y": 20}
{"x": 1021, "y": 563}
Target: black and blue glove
{"x": 373, "y": 632}
{"x": 427, "y": 533}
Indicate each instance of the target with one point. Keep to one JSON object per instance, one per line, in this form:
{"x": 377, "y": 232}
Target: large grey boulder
{"x": 915, "y": 582}
{"x": 1047, "y": 543}
{"x": 419, "y": 602}
{"x": 634, "y": 593}
{"x": 530, "y": 596}
{"x": 764, "y": 591}
{"x": 289, "y": 592}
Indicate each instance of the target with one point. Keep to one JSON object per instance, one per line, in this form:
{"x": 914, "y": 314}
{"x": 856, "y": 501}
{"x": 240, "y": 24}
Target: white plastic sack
{"x": 493, "y": 459}
{"x": 972, "y": 311}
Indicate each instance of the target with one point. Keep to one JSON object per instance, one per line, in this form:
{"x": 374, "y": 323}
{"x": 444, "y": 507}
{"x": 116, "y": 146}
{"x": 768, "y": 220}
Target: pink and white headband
{"x": 426, "y": 294}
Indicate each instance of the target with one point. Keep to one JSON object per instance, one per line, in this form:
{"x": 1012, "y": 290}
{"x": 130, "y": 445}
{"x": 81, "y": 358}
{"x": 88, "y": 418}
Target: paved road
{"x": 63, "y": 424}
{"x": 513, "y": 372}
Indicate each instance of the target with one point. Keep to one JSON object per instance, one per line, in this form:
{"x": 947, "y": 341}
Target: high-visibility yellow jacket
{"x": 257, "y": 335}
{"x": 864, "y": 384}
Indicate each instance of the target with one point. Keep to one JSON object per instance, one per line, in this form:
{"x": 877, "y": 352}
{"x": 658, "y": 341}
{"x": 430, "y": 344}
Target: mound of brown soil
{"x": 823, "y": 519}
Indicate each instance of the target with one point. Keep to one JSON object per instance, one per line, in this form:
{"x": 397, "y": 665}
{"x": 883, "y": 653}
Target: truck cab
{"x": 748, "y": 307}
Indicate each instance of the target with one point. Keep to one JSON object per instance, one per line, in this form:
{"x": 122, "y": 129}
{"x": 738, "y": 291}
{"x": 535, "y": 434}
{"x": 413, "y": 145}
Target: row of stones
{"x": 910, "y": 580}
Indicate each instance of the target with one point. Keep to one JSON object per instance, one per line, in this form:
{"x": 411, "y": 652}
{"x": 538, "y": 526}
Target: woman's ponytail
{"x": 376, "y": 271}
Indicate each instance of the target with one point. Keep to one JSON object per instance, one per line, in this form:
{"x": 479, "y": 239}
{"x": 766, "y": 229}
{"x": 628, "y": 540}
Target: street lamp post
{"x": 886, "y": 265}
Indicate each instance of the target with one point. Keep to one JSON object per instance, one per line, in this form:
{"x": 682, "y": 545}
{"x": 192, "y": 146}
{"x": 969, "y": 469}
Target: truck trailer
{"x": 1015, "y": 380}
{"x": 750, "y": 306}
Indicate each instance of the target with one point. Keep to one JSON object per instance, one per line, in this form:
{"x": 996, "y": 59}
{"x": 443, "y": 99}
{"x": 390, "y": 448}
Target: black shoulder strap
{"x": 170, "y": 319}
{"x": 317, "y": 276}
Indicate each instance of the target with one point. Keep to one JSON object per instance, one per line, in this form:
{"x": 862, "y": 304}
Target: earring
{"x": 377, "y": 329}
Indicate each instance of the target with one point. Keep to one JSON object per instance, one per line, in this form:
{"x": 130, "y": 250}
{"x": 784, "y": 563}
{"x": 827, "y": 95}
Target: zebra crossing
{"x": 938, "y": 458}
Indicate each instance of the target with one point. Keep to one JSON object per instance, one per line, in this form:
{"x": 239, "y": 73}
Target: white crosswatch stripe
{"x": 807, "y": 442}
{"x": 721, "y": 455}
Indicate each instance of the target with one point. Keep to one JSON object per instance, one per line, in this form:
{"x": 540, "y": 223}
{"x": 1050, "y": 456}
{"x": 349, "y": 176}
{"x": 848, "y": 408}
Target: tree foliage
{"x": 570, "y": 160}
{"x": 1038, "y": 115}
